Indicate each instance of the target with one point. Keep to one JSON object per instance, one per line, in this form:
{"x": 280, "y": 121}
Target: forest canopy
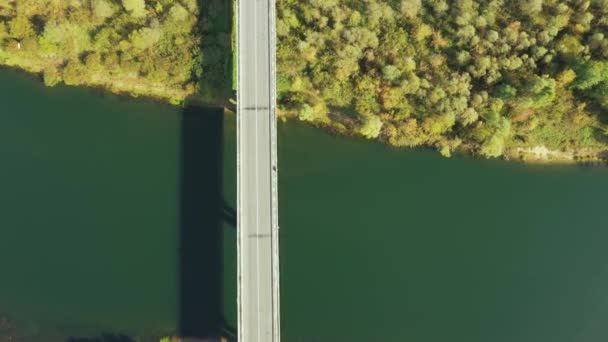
{"x": 488, "y": 76}
{"x": 134, "y": 46}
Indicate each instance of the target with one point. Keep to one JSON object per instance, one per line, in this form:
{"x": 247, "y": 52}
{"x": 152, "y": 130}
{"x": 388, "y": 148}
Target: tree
{"x": 539, "y": 92}
{"x": 51, "y": 76}
{"x": 390, "y": 72}
{"x": 64, "y": 38}
{"x": 589, "y": 74}
{"x": 178, "y": 13}
{"x": 137, "y": 8}
{"x": 93, "y": 61}
{"x": 3, "y": 30}
{"x": 73, "y": 72}
{"x": 600, "y": 94}
{"x": 531, "y": 7}
{"x": 410, "y": 8}
{"x": 102, "y": 8}
{"x": 494, "y": 145}
{"x": 306, "y": 113}
{"x": 21, "y": 27}
{"x": 145, "y": 38}
{"x": 505, "y": 91}
{"x": 469, "y": 116}
{"x": 371, "y": 127}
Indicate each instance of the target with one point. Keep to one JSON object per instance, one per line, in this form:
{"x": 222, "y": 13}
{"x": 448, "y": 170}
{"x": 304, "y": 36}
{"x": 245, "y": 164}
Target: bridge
{"x": 257, "y": 217}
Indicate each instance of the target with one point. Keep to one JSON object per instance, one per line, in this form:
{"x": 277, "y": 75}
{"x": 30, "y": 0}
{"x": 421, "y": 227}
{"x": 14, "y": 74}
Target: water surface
{"x": 110, "y": 213}
{"x": 381, "y": 244}
{"x": 378, "y": 244}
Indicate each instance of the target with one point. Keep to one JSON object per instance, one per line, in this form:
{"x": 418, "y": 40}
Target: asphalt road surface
{"x": 258, "y": 259}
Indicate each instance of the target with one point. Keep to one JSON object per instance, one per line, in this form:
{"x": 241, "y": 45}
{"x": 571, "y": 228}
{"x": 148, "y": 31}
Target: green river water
{"x": 101, "y": 204}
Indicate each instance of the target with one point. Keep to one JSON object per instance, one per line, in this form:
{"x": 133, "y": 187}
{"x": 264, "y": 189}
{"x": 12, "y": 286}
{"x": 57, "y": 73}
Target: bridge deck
{"x": 258, "y": 260}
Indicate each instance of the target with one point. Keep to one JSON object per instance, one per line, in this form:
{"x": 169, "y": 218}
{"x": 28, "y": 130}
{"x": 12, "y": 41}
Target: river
{"x": 99, "y": 209}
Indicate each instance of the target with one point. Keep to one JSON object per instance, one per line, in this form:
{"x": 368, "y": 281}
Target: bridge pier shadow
{"x": 201, "y": 214}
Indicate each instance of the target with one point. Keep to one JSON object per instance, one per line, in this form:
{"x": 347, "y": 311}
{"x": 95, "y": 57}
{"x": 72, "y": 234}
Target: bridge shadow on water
{"x": 202, "y": 207}
{"x": 105, "y": 337}
{"x": 202, "y": 213}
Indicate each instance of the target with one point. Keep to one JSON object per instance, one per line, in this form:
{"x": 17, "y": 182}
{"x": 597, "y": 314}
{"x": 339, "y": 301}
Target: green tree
{"x": 600, "y": 94}
{"x": 540, "y": 92}
{"x": 589, "y": 74}
{"x": 102, "y": 8}
{"x": 178, "y": 13}
{"x": 51, "y": 76}
{"x": 3, "y": 30}
{"x": 410, "y": 8}
{"x": 505, "y": 91}
{"x": 72, "y": 73}
{"x": 137, "y": 8}
{"x": 21, "y": 27}
{"x": 390, "y": 72}
{"x": 531, "y": 7}
{"x": 371, "y": 127}
{"x": 145, "y": 38}
{"x": 494, "y": 145}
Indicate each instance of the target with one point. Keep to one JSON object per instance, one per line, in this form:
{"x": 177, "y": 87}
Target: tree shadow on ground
{"x": 216, "y": 25}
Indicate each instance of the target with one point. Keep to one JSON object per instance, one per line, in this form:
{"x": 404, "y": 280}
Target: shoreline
{"x": 111, "y": 88}
{"x": 538, "y": 154}
{"x": 194, "y": 99}
{"x": 532, "y": 155}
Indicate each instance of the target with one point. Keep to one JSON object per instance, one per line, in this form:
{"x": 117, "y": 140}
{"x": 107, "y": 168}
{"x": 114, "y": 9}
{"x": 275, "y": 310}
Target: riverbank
{"x": 542, "y": 155}
{"x": 12, "y": 330}
{"x": 339, "y": 124}
{"x": 345, "y": 125}
{"x": 8, "y": 329}
{"x": 127, "y": 84}
{"x": 181, "y": 54}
